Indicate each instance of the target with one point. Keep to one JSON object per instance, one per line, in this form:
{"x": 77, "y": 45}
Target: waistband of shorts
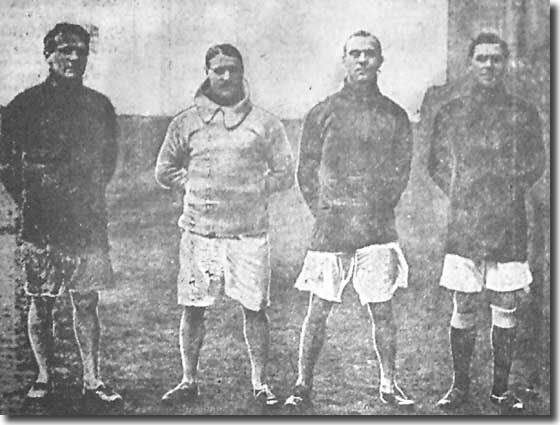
{"x": 213, "y": 235}
{"x": 393, "y": 244}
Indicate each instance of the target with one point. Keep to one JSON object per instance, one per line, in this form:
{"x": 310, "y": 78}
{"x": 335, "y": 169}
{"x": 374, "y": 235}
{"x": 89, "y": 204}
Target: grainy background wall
{"x": 524, "y": 24}
{"x": 148, "y": 55}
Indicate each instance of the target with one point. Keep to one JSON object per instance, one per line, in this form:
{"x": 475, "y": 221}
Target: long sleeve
{"x": 402, "y": 157}
{"x": 110, "y": 149}
{"x": 530, "y": 153}
{"x": 172, "y": 160}
{"x": 10, "y": 151}
{"x": 280, "y": 175}
{"x": 440, "y": 161}
{"x": 310, "y": 153}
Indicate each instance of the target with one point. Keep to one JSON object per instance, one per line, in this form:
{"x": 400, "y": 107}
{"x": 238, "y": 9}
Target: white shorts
{"x": 464, "y": 275}
{"x": 376, "y": 272}
{"x": 207, "y": 265}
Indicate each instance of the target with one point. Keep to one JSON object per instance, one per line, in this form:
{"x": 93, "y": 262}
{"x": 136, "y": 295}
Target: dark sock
{"x": 502, "y": 347}
{"x": 462, "y": 347}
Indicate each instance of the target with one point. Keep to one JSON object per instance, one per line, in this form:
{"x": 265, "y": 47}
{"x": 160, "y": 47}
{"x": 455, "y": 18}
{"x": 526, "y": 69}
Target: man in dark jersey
{"x": 57, "y": 154}
{"x": 486, "y": 153}
{"x": 354, "y": 164}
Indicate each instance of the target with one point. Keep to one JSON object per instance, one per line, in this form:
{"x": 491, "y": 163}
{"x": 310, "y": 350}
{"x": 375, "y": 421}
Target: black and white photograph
{"x": 280, "y": 208}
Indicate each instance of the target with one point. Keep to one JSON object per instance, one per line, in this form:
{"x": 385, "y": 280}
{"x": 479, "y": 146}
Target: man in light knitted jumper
{"x": 229, "y": 156}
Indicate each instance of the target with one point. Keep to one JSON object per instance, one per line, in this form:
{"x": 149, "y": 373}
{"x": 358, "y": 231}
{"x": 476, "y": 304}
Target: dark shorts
{"x": 50, "y": 271}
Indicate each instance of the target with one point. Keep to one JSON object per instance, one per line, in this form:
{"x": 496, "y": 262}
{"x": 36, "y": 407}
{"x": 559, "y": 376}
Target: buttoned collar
{"x": 232, "y": 115}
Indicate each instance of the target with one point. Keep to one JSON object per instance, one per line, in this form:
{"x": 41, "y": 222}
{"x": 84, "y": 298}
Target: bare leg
{"x": 384, "y": 333}
{"x": 40, "y": 330}
{"x": 87, "y": 331}
{"x": 312, "y": 338}
{"x": 256, "y": 332}
{"x": 192, "y": 332}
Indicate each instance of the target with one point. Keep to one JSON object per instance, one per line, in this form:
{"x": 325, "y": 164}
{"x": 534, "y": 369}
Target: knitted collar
{"x": 369, "y": 95}
{"x": 493, "y": 95}
{"x": 60, "y": 84}
{"x": 232, "y": 115}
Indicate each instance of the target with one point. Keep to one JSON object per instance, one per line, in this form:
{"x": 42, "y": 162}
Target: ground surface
{"x": 140, "y": 320}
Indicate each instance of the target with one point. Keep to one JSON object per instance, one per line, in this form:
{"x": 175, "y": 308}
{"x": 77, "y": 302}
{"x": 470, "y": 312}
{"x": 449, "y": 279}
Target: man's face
{"x": 69, "y": 58}
{"x": 225, "y": 74}
{"x": 488, "y": 64}
{"x": 362, "y": 59}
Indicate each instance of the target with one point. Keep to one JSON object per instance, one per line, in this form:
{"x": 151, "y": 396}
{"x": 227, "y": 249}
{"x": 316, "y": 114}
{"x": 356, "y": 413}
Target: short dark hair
{"x": 224, "y": 49}
{"x": 362, "y": 33}
{"x": 49, "y": 43}
{"x": 488, "y": 38}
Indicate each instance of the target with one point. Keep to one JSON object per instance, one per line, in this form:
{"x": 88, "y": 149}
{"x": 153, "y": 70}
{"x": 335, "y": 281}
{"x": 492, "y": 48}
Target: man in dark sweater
{"x": 57, "y": 154}
{"x": 354, "y": 164}
{"x": 486, "y": 153}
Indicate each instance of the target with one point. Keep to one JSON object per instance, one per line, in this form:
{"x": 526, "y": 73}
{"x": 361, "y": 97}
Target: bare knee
{"x": 42, "y": 306}
{"x": 85, "y": 302}
{"x": 40, "y": 314}
{"x": 465, "y": 306}
{"x": 193, "y": 314}
{"x": 381, "y": 313}
{"x": 254, "y": 316}
{"x": 319, "y": 310}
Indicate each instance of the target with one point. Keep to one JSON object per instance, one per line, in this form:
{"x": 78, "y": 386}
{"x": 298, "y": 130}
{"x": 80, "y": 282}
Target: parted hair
{"x": 224, "y": 49}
